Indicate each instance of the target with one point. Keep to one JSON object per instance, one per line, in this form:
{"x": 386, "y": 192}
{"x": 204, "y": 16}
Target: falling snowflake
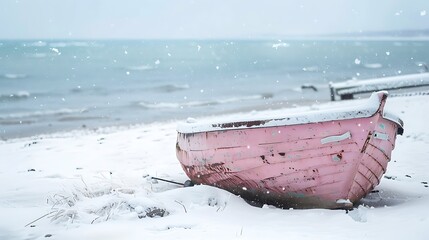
{"x": 357, "y": 61}
{"x": 55, "y": 50}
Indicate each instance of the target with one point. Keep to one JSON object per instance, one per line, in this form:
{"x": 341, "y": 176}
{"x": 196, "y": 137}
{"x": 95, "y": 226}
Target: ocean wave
{"x": 15, "y": 122}
{"x": 159, "y": 105}
{"x": 172, "y": 88}
{"x": 35, "y": 44}
{"x": 246, "y": 98}
{"x": 61, "y": 44}
{"x": 13, "y": 76}
{"x": 70, "y": 44}
{"x": 166, "y": 105}
{"x": 44, "y": 113}
{"x": 38, "y": 55}
{"x": 76, "y": 89}
{"x": 373, "y": 65}
{"x": 15, "y": 96}
{"x": 79, "y": 118}
{"x": 280, "y": 45}
{"x": 140, "y": 68}
{"x": 310, "y": 69}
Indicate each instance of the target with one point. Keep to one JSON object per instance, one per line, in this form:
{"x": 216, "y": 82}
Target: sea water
{"x": 48, "y": 86}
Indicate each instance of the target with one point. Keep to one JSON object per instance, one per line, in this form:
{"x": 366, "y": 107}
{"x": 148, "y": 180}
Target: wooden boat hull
{"x": 323, "y": 164}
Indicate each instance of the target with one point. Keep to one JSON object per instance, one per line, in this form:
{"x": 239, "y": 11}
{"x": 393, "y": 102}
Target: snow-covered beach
{"x": 95, "y": 184}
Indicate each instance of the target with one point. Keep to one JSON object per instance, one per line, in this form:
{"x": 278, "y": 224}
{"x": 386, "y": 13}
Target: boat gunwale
{"x": 366, "y": 110}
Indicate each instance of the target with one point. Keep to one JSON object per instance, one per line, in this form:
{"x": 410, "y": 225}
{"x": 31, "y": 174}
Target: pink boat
{"x": 317, "y": 159}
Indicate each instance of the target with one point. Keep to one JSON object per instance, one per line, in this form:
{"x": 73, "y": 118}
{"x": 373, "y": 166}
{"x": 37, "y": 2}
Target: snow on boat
{"x": 318, "y": 159}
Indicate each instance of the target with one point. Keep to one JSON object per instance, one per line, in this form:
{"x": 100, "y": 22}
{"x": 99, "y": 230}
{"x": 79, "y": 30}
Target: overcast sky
{"x": 95, "y": 19}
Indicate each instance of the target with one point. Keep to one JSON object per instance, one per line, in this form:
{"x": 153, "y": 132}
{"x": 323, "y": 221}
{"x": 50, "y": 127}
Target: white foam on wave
{"x": 70, "y": 44}
{"x": 13, "y": 75}
{"x": 297, "y": 89}
{"x": 140, "y": 68}
{"x": 56, "y": 112}
{"x": 245, "y": 98}
{"x": 280, "y": 45}
{"x": 164, "y": 105}
{"x": 17, "y": 95}
{"x": 373, "y": 65}
{"x": 23, "y": 94}
{"x": 35, "y": 44}
{"x": 310, "y": 69}
{"x": 38, "y": 55}
{"x": 60, "y": 44}
{"x": 159, "y": 105}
